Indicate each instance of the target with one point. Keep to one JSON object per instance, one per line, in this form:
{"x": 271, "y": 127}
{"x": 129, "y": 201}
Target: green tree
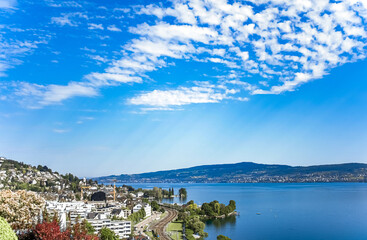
{"x": 158, "y": 192}
{"x": 221, "y": 237}
{"x": 88, "y": 226}
{"x": 155, "y": 206}
{"x": 207, "y": 210}
{"x": 6, "y": 233}
{"x": 182, "y": 192}
{"x": 107, "y": 234}
{"x": 217, "y": 208}
{"x": 198, "y": 226}
{"x": 190, "y": 202}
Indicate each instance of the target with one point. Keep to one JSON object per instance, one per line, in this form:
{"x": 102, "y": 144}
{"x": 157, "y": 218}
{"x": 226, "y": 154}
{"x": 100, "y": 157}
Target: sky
{"x": 109, "y": 87}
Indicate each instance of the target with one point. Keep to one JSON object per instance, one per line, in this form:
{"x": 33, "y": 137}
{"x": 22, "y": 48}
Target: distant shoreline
{"x": 129, "y": 183}
{"x": 249, "y": 172}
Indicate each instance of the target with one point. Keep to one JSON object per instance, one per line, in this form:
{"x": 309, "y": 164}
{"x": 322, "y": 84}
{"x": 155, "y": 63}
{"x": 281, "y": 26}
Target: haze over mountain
{"x": 250, "y": 172}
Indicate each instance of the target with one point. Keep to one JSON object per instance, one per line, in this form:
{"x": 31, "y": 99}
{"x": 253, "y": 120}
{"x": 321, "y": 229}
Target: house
{"x": 97, "y": 215}
{"x": 121, "y": 213}
{"x": 147, "y": 208}
{"x": 139, "y": 194}
{"x": 137, "y": 207}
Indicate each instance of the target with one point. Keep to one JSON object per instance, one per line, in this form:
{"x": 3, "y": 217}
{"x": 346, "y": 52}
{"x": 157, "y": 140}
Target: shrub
{"x": 107, "y": 234}
{"x": 6, "y": 233}
{"x": 50, "y": 231}
{"x": 21, "y": 209}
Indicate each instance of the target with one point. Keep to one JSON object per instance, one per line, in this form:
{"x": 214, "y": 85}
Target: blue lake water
{"x": 319, "y": 211}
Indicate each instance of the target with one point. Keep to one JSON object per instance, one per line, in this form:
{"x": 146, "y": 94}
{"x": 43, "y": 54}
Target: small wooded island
{"x": 194, "y": 216}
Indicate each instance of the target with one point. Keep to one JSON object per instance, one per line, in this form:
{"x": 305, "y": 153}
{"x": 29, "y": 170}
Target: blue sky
{"x": 109, "y": 87}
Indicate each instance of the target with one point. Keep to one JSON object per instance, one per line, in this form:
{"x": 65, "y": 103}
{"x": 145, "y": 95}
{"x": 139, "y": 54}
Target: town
{"x": 120, "y": 210}
{"x": 124, "y": 210}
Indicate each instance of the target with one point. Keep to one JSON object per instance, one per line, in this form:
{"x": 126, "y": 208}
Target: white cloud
{"x": 57, "y": 93}
{"x": 283, "y": 46}
{"x": 182, "y": 33}
{"x": 93, "y": 26}
{"x": 113, "y": 28}
{"x": 287, "y": 43}
{"x": 61, "y": 130}
{"x": 12, "y": 51}
{"x": 200, "y": 93}
{"x": 36, "y": 95}
{"x": 182, "y": 96}
{"x": 70, "y": 19}
{"x": 7, "y": 4}
{"x": 71, "y": 4}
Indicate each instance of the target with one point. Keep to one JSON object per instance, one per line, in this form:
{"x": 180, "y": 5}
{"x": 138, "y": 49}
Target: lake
{"x": 298, "y": 211}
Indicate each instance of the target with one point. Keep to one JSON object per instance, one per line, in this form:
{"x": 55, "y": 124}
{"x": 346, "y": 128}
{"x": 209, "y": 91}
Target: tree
{"x": 155, "y": 206}
{"x": 207, "y": 210}
{"x": 198, "y": 226}
{"x": 158, "y": 192}
{"x": 50, "y": 231}
{"x": 89, "y": 227}
{"x": 217, "y": 208}
{"x": 172, "y": 192}
{"x": 107, "y": 234}
{"x": 80, "y": 232}
{"x": 221, "y": 237}
{"x": 21, "y": 209}
{"x": 190, "y": 202}
{"x": 182, "y": 192}
{"x": 6, "y": 233}
{"x": 232, "y": 204}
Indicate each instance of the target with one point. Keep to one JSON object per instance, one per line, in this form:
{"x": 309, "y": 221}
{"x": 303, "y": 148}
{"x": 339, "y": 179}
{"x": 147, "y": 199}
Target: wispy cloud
{"x": 36, "y": 96}
{"x": 95, "y": 26}
{"x": 7, "y": 4}
{"x": 113, "y": 28}
{"x": 58, "y": 4}
{"x": 69, "y": 19}
{"x": 84, "y": 119}
{"x": 11, "y": 51}
{"x": 60, "y": 131}
{"x": 166, "y": 99}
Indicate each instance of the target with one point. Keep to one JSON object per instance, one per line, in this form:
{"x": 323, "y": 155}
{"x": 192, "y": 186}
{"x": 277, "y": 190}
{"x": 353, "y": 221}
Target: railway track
{"x": 161, "y": 225}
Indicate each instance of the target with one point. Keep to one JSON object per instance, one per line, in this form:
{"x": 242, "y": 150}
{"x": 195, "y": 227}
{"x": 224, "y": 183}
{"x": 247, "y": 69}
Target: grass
{"x": 163, "y": 215}
{"x": 175, "y": 228}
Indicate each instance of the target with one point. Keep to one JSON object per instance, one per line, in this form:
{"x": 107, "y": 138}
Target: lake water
{"x": 319, "y": 211}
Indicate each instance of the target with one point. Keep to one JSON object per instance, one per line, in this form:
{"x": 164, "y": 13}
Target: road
{"x": 160, "y": 226}
{"x": 139, "y": 227}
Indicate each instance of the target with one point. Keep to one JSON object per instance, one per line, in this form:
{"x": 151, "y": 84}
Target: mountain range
{"x": 249, "y": 172}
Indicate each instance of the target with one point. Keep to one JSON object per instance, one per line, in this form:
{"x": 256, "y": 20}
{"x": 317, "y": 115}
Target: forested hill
{"x": 250, "y": 172}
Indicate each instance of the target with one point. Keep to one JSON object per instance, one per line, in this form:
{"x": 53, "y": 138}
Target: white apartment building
{"x": 72, "y": 209}
{"x": 121, "y": 228}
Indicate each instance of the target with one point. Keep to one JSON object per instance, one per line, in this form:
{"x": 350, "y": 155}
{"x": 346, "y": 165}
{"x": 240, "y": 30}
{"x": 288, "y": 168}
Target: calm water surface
{"x": 287, "y": 211}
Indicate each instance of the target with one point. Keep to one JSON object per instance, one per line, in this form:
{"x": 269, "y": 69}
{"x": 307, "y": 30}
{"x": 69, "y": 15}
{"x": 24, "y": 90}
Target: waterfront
{"x": 284, "y": 211}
